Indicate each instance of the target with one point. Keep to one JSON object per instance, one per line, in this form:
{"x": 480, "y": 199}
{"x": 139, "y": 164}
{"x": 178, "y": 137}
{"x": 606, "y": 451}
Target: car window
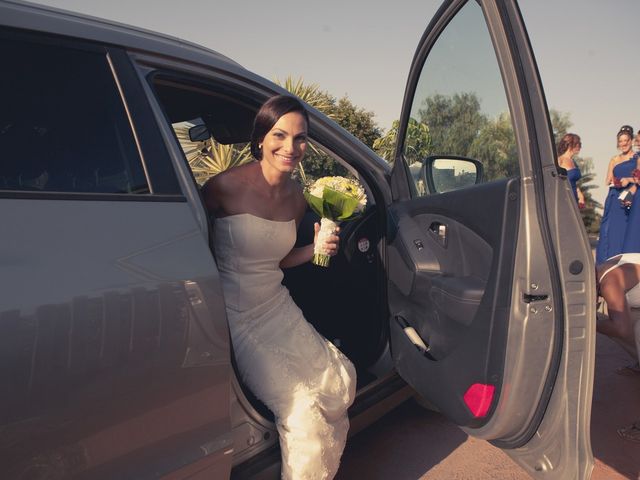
{"x": 206, "y": 156}
{"x": 460, "y": 110}
{"x": 63, "y": 124}
{"x": 213, "y": 126}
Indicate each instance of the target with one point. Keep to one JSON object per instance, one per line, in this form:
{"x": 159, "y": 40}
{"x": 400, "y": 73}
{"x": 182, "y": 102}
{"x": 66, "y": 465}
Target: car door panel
{"x": 113, "y": 337}
{"x": 445, "y": 291}
{"x": 491, "y": 287}
{"x": 130, "y": 354}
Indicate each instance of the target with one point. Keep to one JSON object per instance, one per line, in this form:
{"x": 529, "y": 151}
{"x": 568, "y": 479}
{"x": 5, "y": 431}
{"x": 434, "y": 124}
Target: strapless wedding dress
{"x": 304, "y": 379}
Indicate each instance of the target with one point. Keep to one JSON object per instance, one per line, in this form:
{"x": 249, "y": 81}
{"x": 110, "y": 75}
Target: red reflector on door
{"x": 478, "y": 398}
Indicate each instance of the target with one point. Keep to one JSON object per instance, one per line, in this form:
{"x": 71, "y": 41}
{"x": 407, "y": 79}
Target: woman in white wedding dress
{"x": 304, "y": 379}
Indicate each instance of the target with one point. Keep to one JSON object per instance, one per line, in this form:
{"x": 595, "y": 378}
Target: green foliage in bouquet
{"x": 337, "y": 206}
{"x": 335, "y": 200}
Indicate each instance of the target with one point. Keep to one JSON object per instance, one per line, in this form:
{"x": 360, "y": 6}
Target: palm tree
{"x": 207, "y": 158}
{"x": 310, "y": 94}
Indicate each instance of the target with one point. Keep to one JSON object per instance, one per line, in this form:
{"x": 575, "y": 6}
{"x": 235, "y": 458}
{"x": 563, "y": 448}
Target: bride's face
{"x": 285, "y": 144}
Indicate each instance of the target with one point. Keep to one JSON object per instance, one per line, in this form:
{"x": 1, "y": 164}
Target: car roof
{"x": 42, "y": 18}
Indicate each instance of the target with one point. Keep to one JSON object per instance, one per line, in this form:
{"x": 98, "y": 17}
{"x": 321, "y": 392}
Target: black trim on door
{"x": 154, "y": 153}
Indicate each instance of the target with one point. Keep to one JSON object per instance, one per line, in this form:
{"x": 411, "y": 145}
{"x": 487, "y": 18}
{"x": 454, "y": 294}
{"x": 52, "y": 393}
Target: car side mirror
{"x": 443, "y": 173}
{"x": 199, "y": 133}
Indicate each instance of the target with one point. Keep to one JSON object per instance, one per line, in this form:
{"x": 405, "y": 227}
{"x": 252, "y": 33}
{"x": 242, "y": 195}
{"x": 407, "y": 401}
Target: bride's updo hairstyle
{"x": 269, "y": 113}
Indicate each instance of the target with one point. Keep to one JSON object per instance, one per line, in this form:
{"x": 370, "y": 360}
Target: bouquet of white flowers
{"x": 335, "y": 200}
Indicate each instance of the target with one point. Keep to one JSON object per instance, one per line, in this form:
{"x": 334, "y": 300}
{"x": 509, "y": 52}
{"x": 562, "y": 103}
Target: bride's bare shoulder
{"x": 221, "y": 188}
{"x": 227, "y": 179}
{"x": 298, "y": 200}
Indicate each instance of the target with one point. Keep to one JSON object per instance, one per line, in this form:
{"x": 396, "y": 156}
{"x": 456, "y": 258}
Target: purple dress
{"x": 613, "y": 225}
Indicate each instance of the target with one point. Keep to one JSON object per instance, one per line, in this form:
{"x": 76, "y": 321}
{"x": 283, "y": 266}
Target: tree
{"x": 417, "y": 147}
{"x": 560, "y": 123}
{"x": 309, "y": 93}
{"x": 454, "y": 122}
{"x": 208, "y": 158}
{"x": 495, "y": 146}
{"x": 417, "y": 142}
{"x": 357, "y": 121}
{"x": 590, "y": 216}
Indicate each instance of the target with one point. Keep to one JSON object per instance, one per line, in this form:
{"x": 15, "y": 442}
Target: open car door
{"x": 491, "y": 276}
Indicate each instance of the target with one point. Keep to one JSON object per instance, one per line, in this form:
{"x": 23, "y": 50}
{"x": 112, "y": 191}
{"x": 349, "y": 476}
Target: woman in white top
{"x": 305, "y": 380}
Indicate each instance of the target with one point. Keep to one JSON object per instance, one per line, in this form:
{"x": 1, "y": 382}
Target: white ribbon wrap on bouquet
{"x": 327, "y": 228}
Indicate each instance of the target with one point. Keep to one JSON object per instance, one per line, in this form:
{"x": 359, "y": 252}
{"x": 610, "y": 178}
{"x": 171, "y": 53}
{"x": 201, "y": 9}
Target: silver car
{"x": 467, "y": 283}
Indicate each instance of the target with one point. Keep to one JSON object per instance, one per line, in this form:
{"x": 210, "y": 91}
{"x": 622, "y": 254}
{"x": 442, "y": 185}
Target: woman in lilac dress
{"x": 613, "y": 226}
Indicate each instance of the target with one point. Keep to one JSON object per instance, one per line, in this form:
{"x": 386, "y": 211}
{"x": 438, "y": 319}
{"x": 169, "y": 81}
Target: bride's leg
{"x": 311, "y": 439}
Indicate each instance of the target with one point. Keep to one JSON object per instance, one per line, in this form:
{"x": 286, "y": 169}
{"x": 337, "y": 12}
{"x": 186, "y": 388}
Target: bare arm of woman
{"x": 609, "y": 179}
{"x": 581, "y": 203}
{"x": 213, "y": 194}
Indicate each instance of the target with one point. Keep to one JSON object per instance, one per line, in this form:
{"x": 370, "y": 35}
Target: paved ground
{"x": 412, "y": 443}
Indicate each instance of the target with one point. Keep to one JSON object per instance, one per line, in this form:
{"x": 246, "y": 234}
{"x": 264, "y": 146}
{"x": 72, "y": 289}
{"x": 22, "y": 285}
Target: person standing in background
{"x": 631, "y": 242}
{"x": 568, "y": 147}
{"x": 619, "y": 285}
{"x": 613, "y": 225}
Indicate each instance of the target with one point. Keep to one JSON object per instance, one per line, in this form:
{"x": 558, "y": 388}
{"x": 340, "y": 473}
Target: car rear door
{"x": 114, "y": 348}
{"x": 491, "y": 284}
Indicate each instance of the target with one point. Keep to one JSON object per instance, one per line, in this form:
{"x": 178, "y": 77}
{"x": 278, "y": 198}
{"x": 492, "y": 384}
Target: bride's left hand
{"x": 332, "y": 242}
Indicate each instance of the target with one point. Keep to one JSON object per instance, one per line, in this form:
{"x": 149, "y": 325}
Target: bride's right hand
{"x": 331, "y": 243}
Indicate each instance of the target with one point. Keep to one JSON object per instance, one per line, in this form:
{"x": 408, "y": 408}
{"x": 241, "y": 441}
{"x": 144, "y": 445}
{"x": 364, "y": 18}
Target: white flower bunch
{"x": 346, "y": 186}
{"x": 335, "y": 200}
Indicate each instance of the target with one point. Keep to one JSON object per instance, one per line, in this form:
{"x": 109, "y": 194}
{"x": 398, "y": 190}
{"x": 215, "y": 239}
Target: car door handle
{"x": 439, "y": 231}
{"x": 414, "y": 337}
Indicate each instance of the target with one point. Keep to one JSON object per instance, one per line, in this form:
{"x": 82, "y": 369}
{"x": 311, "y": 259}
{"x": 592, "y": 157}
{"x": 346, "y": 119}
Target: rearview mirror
{"x": 199, "y": 133}
{"x": 443, "y": 173}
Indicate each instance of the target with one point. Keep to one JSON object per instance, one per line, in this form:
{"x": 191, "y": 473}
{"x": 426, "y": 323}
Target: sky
{"x": 587, "y": 51}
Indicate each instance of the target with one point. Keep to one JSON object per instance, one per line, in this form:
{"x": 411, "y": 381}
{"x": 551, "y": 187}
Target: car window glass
{"x": 63, "y": 125}
{"x": 213, "y": 126}
{"x": 207, "y": 157}
{"x": 460, "y": 107}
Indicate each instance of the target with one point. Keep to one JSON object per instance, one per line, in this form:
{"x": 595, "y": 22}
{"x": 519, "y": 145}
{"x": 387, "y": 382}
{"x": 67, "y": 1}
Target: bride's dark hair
{"x": 269, "y": 113}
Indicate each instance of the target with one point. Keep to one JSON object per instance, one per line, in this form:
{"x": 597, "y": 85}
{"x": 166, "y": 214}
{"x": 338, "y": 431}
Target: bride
{"x": 304, "y": 379}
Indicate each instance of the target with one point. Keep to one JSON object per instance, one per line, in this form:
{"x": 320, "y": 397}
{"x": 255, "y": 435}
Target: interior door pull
{"x": 414, "y": 337}
{"x": 439, "y": 230}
